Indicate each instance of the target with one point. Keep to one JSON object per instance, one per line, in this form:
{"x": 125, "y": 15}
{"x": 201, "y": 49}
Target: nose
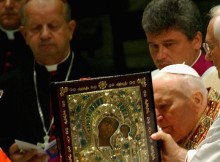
{"x": 45, "y": 33}
{"x": 159, "y": 116}
{"x": 8, "y": 3}
{"x": 160, "y": 120}
{"x": 161, "y": 53}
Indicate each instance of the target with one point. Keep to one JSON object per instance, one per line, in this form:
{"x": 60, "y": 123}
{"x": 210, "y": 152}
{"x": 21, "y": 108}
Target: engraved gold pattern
{"x": 102, "y": 84}
{"x": 85, "y": 107}
{"x": 63, "y": 90}
{"x": 142, "y": 81}
{"x": 87, "y": 110}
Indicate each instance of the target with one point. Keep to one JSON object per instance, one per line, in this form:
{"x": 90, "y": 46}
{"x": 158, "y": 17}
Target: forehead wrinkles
{"x": 169, "y": 83}
{"x": 44, "y": 11}
{"x": 45, "y": 5}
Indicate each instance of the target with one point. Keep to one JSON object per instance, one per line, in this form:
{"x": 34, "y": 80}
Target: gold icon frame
{"x": 106, "y": 119}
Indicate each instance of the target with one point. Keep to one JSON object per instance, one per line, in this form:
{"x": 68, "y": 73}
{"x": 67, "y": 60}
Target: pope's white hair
{"x": 216, "y": 28}
{"x": 214, "y": 13}
{"x": 187, "y": 84}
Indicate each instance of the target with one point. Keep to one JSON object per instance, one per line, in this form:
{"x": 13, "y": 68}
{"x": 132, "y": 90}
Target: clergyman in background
{"x": 48, "y": 28}
{"x": 14, "y": 51}
{"x": 173, "y": 31}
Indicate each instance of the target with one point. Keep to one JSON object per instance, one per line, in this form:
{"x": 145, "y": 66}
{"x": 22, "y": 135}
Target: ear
{"x": 198, "y": 98}
{"x": 197, "y": 40}
{"x": 72, "y": 27}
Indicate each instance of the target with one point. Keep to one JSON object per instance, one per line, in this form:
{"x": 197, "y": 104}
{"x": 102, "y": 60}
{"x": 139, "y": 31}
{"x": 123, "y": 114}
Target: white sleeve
{"x": 209, "y": 149}
{"x": 154, "y": 72}
{"x": 207, "y": 153}
{"x": 189, "y": 155}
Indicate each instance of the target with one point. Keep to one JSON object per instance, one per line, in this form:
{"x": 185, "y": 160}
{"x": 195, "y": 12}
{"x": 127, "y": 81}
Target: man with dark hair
{"x": 173, "y": 31}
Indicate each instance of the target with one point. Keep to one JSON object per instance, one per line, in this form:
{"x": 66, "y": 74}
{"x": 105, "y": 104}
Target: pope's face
{"x": 175, "y": 111}
{"x": 172, "y": 47}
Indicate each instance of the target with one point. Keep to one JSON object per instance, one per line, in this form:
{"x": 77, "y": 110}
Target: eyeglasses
{"x": 208, "y": 47}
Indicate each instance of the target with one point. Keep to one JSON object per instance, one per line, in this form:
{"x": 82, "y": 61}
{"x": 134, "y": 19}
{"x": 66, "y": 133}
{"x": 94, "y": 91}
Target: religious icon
{"x": 106, "y": 129}
{"x": 107, "y": 119}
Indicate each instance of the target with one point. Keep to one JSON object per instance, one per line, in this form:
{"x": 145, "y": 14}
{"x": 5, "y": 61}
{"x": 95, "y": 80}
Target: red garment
{"x": 3, "y": 157}
{"x": 202, "y": 64}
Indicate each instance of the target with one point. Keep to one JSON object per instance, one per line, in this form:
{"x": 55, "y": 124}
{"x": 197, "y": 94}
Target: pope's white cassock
{"x": 209, "y": 149}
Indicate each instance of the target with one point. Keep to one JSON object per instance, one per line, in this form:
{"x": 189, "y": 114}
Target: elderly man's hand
{"x": 170, "y": 151}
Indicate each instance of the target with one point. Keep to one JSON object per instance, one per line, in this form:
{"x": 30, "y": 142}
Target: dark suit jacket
{"x": 20, "y": 52}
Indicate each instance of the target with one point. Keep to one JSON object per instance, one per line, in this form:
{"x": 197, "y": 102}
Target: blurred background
{"x": 110, "y": 32}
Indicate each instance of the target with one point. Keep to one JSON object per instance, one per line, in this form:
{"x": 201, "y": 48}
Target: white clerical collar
{"x": 9, "y": 33}
{"x": 200, "y": 52}
{"x": 51, "y": 67}
{"x": 54, "y": 67}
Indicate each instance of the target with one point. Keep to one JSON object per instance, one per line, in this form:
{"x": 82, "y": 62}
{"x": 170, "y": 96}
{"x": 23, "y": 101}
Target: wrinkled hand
{"x": 170, "y": 151}
{"x": 16, "y": 155}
